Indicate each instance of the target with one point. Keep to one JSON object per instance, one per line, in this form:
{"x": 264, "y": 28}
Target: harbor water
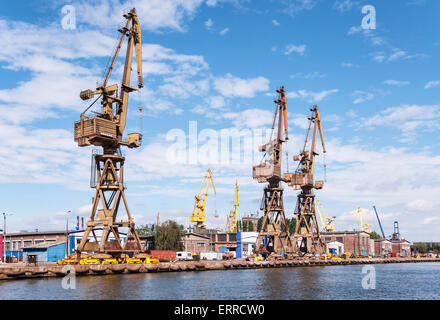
{"x": 392, "y": 281}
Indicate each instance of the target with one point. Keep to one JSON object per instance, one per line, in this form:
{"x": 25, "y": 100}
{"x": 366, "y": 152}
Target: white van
{"x": 184, "y": 255}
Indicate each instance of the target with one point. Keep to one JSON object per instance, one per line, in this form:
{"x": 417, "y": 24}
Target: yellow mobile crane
{"x": 327, "y": 226}
{"x": 198, "y": 214}
{"x": 364, "y": 225}
{"x": 233, "y": 214}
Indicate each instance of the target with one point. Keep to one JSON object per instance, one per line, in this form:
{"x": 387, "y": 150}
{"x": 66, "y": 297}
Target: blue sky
{"x": 218, "y": 63}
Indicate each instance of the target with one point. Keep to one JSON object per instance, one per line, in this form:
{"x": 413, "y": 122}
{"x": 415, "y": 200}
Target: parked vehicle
{"x": 184, "y": 256}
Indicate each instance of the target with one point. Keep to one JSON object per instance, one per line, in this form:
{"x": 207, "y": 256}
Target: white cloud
{"x": 231, "y": 86}
{"x": 212, "y": 108}
{"x": 294, "y": 7}
{"x": 429, "y": 220}
{"x": 432, "y": 84}
{"x": 154, "y": 15}
{"x": 409, "y": 119}
{"x": 310, "y": 75}
{"x": 293, "y": 48}
{"x": 362, "y": 96}
{"x": 395, "y": 55}
{"x": 275, "y": 23}
{"x": 348, "y": 65}
{"x": 354, "y": 30}
{"x": 419, "y": 205}
{"x": 310, "y": 96}
{"x": 343, "y": 5}
{"x": 396, "y": 83}
{"x": 224, "y": 31}
{"x": 209, "y": 23}
{"x": 385, "y": 175}
{"x": 250, "y": 118}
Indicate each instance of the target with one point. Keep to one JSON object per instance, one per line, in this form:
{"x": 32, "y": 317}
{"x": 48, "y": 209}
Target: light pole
{"x": 67, "y": 234}
{"x": 4, "y": 235}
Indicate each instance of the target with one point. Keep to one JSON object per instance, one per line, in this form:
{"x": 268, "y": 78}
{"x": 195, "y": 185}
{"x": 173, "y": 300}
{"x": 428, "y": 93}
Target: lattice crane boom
{"x": 198, "y": 215}
{"x": 307, "y": 229}
{"x": 232, "y": 220}
{"x": 106, "y": 130}
{"x": 274, "y": 235}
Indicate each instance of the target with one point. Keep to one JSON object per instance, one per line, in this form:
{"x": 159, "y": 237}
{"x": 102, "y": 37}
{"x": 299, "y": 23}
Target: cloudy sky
{"x": 212, "y": 67}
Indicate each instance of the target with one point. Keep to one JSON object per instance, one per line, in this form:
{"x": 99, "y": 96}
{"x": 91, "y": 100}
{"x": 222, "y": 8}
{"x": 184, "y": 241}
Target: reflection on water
{"x": 393, "y": 281}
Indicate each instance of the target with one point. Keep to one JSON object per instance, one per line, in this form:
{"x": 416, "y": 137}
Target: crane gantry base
{"x": 274, "y": 235}
{"x": 109, "y": 181}
{"x": 307, "y": 230}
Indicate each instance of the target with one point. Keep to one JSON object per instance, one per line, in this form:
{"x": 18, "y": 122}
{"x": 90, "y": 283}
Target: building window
{"x": 340, "y": 239}
{"x": 27, "y": 243}
{"x": 39, "y": 241}
{"x": 201, "y": 244}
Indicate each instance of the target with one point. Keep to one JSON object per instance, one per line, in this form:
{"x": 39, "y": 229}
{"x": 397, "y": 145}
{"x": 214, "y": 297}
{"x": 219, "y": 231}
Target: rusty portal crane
{"x": 307, "y": 230}
{"x": 274, "y": 235}
{"x": 106, "y": 130}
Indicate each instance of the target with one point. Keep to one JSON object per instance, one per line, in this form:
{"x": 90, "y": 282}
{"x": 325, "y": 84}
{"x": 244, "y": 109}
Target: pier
{"x": 53, "y": 270}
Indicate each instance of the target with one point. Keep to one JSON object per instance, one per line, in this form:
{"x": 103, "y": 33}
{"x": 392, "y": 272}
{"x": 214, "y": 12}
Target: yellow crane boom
{"x": 327, "y": 226}
{"x": 364, "y": 225}
{"x": 198, "y": 214}
{"x": 233, "y": 214}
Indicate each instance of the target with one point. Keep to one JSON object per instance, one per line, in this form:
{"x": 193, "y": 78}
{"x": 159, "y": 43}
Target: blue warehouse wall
{"x": 41, "y": 254}
{"x": 56, "y": 253}
{"x": 71, "y": 244}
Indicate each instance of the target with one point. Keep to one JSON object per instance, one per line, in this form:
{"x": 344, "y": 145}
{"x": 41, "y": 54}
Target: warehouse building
{"x": 355, "y": 242}
{"x": 15, "y": 243}
{"x": 382, "y": 247}
{"x": 196, "y": 243}
{"x": 401, "y": 248}
{"x": 46, "y": 252}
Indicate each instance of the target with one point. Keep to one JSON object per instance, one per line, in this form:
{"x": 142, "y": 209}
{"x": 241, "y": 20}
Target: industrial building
{"x": 196, "y": 243}
{"x": 46, "y": 252}
{"x": 355, "y": 242}
{"x": 382, "y": 247}
{"x": 250, "y": 220}
{"x": 401, "y": 248}
{"x": 16, "y": 243}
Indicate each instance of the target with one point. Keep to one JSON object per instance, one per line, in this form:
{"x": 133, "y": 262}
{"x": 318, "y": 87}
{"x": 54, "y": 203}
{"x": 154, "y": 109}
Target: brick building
{"x": 382, "y": 247}
{"x": 196, "y": 243}
{"x": 225, "y": 240}
{"x": 402, "y": 248}
{"x": 252, "y": 219}
{"x": 356, "y": 242}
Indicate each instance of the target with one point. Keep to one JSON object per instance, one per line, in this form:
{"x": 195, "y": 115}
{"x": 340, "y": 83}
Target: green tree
{"x": 245, "y": 226}
{"x": 375, "y": 235}
{"x": 144, "y": 229}
{"x": 251, "y": 227}
{"x": 168, "y": 236}
{"x": 260, "y": 224}
{"x": 292, "y": 225}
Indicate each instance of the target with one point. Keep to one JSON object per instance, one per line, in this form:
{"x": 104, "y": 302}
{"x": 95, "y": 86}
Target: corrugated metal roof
{"x": 44, "y": 245}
